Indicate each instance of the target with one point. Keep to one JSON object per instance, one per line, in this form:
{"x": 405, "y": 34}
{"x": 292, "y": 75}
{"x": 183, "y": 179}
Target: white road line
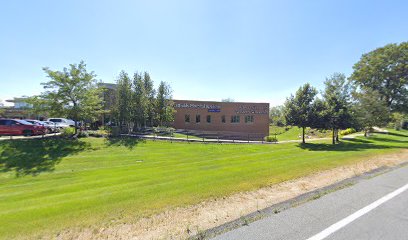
{"x": 340, "y": 224}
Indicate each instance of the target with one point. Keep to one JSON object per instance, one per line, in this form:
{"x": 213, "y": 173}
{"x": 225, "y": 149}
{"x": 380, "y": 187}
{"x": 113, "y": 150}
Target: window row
{"x": 234, "y": 118}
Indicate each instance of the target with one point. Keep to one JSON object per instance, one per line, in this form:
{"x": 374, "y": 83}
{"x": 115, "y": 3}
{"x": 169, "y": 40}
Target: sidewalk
{"x": 30, "y": 137}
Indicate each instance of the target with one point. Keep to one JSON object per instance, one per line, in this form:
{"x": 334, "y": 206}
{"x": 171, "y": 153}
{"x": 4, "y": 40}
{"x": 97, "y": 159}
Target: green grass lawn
{"x": 50, "y": 185}
{"x": 181, "y": 135}
{"x": 293, "y": 133}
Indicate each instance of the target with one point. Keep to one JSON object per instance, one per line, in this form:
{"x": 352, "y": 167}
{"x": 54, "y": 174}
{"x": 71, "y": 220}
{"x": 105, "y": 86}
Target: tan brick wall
{"x": 258, "y": 111}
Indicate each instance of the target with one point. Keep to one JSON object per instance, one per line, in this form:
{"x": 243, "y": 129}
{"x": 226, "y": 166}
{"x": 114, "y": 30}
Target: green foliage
{"x": 271, "y": 139}
{"x": 370, "y": 111}
{"x": 72, "y": 92}
{"x": 164, "y": 105}
{"x": 299, "y": 109}
{"x": 277, "y": 116}
{"x": 347, "y": 131}
{"x": 337, "y": 100}
{"x": 139, "y": 105}
{"x": 337, "y": 94}
{"x": 67, "y": 132}
{"x": 398, "y": 120}
{"x": 83, "y": 134}
{"x": 124, "y": 105}
{"x": 319, "y": 117}
{"x": 140, "y": 100}
{"x": 385, "y": 70}
{"x": 150, "y": 94}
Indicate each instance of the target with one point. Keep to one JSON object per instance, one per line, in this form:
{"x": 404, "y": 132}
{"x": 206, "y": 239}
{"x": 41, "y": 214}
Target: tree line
{"x": 75, "y": 93}
{"x": 139, "y": 105}
{"x": 375, "y": 94}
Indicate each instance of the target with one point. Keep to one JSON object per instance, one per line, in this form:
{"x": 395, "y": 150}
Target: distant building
{"x": 20, "y": 110}
{"x": 243, "y": 120}
{"x": 20, "y": 103}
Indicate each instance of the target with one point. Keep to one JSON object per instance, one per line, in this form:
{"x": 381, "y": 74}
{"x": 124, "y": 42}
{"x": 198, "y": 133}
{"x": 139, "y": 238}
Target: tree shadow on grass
{"x": 34, "y": 156}
{"x": 390, "y": 140}
{"x": 359, "y": 140}
{"x": 128, "y": 142}
{"x": 395, "y": 134}
{"x": 350, "y": 145}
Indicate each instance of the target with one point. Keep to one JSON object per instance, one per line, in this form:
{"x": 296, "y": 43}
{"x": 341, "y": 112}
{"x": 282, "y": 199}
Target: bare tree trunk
{"x": 333, "y": 138}
{"x": 303, "y": 135}
{"x": 76, "y": 126}
{"x": 337, "y": 135}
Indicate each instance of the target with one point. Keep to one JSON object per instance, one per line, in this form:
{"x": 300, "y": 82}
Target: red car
{"x": 20, "y": 127}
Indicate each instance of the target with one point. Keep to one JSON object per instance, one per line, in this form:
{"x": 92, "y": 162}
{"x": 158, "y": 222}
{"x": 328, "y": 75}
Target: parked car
{"x": 38, "y": 123}
{"x": 50, "y": 126}
{"x": 20, "y": 127}
{"x": 62, "y": 122}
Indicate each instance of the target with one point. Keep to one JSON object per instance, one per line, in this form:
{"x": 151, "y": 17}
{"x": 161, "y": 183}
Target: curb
{"x": 293, "y": 202}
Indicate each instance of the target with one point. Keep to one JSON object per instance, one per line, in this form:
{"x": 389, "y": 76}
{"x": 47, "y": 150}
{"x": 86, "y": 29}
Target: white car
{"x": 62, "y": 122}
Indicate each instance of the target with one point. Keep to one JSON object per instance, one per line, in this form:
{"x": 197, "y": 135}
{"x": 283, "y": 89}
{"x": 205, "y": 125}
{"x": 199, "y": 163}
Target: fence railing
{"x": 199, "y": 136}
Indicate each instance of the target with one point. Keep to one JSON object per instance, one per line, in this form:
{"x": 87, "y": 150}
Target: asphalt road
{"x": 375, "y": 208}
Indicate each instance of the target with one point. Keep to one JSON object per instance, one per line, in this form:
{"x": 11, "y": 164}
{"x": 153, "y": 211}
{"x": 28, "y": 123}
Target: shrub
{"x": 83, "y": 134}
{"x": 103, "y": 128}
{"x": 164, "y": 131}
{"x": 347, "y": 131}
{"x": 271, "y": 139}
{"x": 67, "y": 132}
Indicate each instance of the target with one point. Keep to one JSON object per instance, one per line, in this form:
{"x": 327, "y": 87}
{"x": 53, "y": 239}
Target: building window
{"x": 223, "y": 118}
{"x": 208, "y": 118}
{"x": 235, "y": 119}
{"x": 249, "y": 119}
{"x": 187, "y": 118}
{"x": 198, "y": 118}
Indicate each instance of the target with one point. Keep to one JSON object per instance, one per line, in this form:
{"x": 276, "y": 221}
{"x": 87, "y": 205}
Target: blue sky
{"x": 258, "y": 51}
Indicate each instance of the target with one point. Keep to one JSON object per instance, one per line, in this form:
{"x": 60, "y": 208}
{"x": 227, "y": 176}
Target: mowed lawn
{"x": 294, "y": 133}
{"x": 50, "y": 185}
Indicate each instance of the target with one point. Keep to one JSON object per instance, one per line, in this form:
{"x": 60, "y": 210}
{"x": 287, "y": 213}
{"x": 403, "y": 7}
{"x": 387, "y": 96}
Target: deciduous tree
{"x": 164, "y": 104}
{"x": 72, "y": 92}
{"x": 140, "y": 101}
{"x": 277, "y": 115}
{"x": 385, "y": 70}
{"x": 123, "y": 108}
{"x": 150, "y": 93}
{"x": 337, "y": 95}
{"x": 370, "y": 110}
{"x": 299, "y": 108}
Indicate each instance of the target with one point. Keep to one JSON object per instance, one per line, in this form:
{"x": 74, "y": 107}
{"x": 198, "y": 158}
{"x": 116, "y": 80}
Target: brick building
{"x": 238, "y": 119}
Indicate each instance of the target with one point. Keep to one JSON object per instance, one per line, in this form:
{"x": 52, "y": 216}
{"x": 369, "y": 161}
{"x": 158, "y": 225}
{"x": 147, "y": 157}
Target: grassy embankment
{"x": 93, "y": 181}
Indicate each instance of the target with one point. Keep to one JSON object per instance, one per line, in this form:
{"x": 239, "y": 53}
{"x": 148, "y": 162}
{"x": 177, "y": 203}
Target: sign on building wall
{"x": 197, "y": 106}
{"x": 252, "y": 109}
